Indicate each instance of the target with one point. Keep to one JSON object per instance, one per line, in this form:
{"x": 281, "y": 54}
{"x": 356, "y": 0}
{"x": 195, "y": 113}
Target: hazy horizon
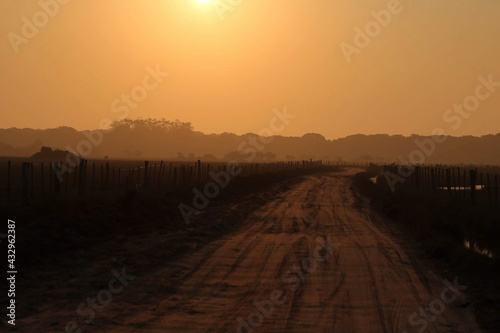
{"x": 255, "y": 132}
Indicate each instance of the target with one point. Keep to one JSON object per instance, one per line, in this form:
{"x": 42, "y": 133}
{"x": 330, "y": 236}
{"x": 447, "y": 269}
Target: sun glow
{"x": 204, "y": 1}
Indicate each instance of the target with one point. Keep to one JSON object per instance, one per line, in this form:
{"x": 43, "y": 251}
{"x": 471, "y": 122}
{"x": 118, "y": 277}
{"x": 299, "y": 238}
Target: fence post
{"x": 85, "y": 174}
{"x": 417, "y": 175}
{"x": 154, "y": 175}
{"x": 66, "y": 181}
{"x": 161, "y": 173}
{"x": 199, "y": 172}
{"x": 51, "y": 170}
{"x": 174, "y": 176}
{"x": 8, "y": 181}
{"x": 473, "y": 174}
{"x": 76, "y": 172}
{"x": 433, "y": 180}
{"x": 138, "y": 176}
{"x": 443, "y": 179}
{"x": 32, "y": 178}
{"x": 453, "y": 183}
{"x": 81, "y": 177}
{"x": 93, "y": 175}
{"x": 465, "y": 185}
{"x": 102, "y": 177}
{"x": 438, "y": 180}
{"x": 106, "y": 184}
{"x": 26, "y": 176}
{"x": 170, "y": 174}
{"x": 42, "y": 174}
{"x": 146, "y": 173}
{"x": 482, "y": 187}
{"x": 489, "y": 188}
{"x": 57, "y": 166}
{"x": 184, "y": 180}
{"x": 448, "y": 180}
{"x": 496, "y": 190}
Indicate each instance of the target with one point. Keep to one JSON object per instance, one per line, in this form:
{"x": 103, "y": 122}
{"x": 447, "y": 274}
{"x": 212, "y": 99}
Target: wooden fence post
{"x": 448, "y": 181}
{"x": 417, "y": 175}
{"x": 93, "y": 176}
{"x": 106, "y": 184}
{"x": 174, "y": 178}
{"x": 51, "y": 170}
{"x": 75, "y": 171}
{"x": 161, "y": 173}
{"x": 473, "y": 174}
{"x": 32, "y": 178}
{"x": 453, "y": 183}
{"x": 465, "y": 185}
{"x": 66, "y": 179}
{"x": 42, "y": 175}
{"x": 199, "y": 172}
{"x": 146, "y": 173}
{"x": 433, "y": 180}
{"x": 489, "y": 189}
{"x": 482, "y": 187}
{"x": 170, "y": 174}
{"x": 154, "y": 174}
{"x": 184, "y": 180}
{"x": 57, "y": 166}
{"x": 496, "y": 190}
{"x": 85, "y": 174}
{"x": 81, "y": 176}
{"x": 102, "y": 177}
{"x": 8, "y": 181}
{"x": 26, "y": 177}
{"x": 138, "y": 176}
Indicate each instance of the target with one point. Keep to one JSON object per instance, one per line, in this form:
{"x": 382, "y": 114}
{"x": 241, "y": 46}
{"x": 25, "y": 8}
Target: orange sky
{"x": 228, "y": 70}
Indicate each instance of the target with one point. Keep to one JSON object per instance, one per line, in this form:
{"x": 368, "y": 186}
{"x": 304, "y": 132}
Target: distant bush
{"x": 48, "y": 153}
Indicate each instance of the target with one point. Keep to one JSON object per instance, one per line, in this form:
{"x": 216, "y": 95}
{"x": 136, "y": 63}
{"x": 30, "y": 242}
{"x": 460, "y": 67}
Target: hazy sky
{"x": 230, "y": 65}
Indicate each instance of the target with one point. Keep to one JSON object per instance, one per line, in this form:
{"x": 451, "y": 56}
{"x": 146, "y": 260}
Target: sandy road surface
{"x": 312, "y": 260}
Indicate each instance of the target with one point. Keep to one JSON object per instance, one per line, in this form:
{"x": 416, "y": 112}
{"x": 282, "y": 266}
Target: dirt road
{"x": 314, "y": 259}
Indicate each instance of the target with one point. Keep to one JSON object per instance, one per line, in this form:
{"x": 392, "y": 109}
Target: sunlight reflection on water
{"x": 474, "y": 247}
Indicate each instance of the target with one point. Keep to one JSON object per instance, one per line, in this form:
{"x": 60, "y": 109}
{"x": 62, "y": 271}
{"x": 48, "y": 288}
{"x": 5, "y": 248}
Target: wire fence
{"x": 473, "y": 184}
{"x": 26, "y": 181}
